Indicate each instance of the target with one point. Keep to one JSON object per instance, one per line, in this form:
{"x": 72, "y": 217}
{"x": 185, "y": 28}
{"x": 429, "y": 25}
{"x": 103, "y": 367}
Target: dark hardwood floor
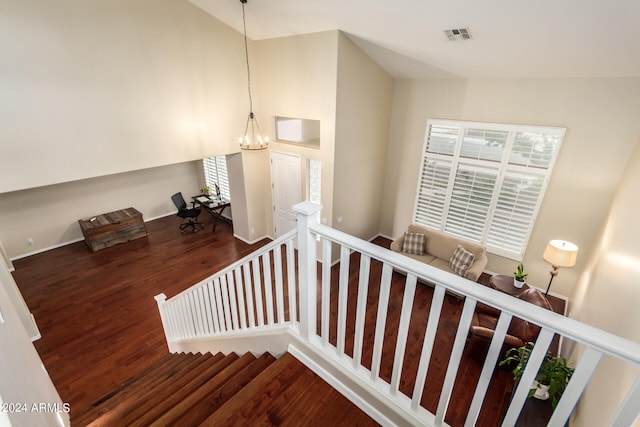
{"x": 96, "y": 312}
{"x": 100, "y": 324}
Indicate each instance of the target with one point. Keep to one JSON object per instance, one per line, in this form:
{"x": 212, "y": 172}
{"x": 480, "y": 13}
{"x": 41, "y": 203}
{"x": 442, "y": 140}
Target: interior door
{"x": 285, "y": 190}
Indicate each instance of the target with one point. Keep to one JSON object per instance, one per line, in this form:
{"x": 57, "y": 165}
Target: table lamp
{"x": 559, "y": 253}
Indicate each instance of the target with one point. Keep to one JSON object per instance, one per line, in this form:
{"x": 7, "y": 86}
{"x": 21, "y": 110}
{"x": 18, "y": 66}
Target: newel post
{"x": 307, "y": 266}
{"x": 161, "y": 299}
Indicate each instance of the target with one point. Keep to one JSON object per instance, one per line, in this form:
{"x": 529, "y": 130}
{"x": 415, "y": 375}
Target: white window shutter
{"x": 432, "y": 193}
{"x": 470, "y": 201}
{"x": 215, "y": 172}
{"x": 485, "y": 181}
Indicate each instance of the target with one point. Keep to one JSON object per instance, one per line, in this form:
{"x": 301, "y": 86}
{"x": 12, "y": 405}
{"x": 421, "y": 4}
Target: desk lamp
{"x": 559, "y": 253}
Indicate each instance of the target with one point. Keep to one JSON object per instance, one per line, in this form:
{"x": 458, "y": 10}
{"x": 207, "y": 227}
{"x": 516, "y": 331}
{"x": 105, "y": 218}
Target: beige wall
{"x": 110, "y": 106}
{"x": 258, "y": 194}
{"x": 297, "y": 78}
{"x": 363, "y": 110}
{"x": 49, "y": 215}
{"x": 607, "y": 295}
{"x": 325, "y": 76}
{"x": 92, "y": 88}
{"x": 602, "y": 127}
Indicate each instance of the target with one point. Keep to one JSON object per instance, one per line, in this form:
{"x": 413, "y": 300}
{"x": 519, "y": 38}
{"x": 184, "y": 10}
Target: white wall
{"x": 607, "y": 295}
{"x": 17, "y": 301}
{"x": 24, "y": 379}
{"x": 601, "y": 117}
{"x": 92, "y": 88}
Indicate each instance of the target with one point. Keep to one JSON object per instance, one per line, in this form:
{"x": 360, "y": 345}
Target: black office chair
{"x": 190, "y": 214}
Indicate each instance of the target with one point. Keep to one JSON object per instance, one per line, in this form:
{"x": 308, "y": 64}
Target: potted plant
{"x": 206, "y": 190}
{"x": 519, "y": 276}
{"x": 552, "y": 378}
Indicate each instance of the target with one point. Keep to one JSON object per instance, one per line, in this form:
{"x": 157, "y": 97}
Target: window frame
{"x": 507, "y": 172}
{"x": 217, "y": 165}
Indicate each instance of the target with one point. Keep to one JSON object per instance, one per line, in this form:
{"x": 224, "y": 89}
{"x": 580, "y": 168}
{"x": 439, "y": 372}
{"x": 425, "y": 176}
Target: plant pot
{"x": 542, "y": 392}
{"x": 517, "y": 283}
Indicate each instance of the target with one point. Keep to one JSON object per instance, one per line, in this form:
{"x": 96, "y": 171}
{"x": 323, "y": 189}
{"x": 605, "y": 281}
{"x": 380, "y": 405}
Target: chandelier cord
{"x": 246, "y": 52}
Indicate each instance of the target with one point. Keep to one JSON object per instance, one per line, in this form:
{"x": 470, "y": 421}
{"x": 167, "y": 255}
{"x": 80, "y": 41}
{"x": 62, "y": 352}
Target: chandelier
{"x": 253, "y": 138}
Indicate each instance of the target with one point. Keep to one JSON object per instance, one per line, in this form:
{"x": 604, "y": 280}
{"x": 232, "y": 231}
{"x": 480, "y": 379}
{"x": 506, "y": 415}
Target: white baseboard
{"x": 59, "y": 245}
{"x": 386, "y": 237}
{"x": 251, "y": 242}
{"x": 37, "y": 335}
{"x": 48, "y": 248}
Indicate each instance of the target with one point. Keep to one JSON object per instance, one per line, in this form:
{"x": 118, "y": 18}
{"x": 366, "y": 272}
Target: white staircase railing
{"x": 239, "y": 300}
{"x": 255, "y": 293}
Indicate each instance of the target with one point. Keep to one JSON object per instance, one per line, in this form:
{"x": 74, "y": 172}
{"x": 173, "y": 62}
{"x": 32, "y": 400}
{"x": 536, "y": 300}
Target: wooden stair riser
{"x": 114, "y": 398}
{"x": 173, "y": 416}
{"x": 155, "y": 404}
{"x": 232, "y": 390}
{"x": 212, "y": 402}
{"x": 127, "y": 398}
{"x": 247, "y": 392}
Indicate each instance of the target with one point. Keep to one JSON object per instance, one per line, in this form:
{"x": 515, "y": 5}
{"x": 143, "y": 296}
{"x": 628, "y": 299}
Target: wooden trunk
{"x": 109, "y": 229}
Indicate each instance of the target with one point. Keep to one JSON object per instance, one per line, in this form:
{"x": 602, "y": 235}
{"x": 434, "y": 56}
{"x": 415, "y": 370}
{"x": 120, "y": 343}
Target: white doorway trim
{"x": 286, "y": 190}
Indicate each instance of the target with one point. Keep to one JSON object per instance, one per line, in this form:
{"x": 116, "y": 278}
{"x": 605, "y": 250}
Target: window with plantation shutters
{"x": 215, "y": 172}
{"x": 485, "y": 181}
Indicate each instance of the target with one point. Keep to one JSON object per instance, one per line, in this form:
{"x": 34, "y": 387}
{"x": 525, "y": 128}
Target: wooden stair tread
{"x": 232, "y": 405}
{"x": 213, "y": 390}
{"x": 226, "y": 392}
{"x": 166, "y": 367}
{"x": 295, "y": 396}
{"x": 172, "y": 417}
{"x": 151, "y": 403}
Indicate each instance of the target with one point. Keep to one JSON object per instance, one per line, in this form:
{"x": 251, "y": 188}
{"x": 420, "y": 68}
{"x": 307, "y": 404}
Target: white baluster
{"x": 325, "y": 317}
{"x": 257, "y": 289}
{"x": 361, "y": 308}
{"x": 242, "y": 312}
{"x": 214, "y": 308}
{"x": 427, "y": 346}
{"x": 268, "y": 287}
{"x": 291, "y": 280}
{"x": 403, "y": 331}
{"x": 343, "y": 288}
{"x": 381, "y": 319}
{"x": 277, "y": 269}
{"x": 248, "y": 285}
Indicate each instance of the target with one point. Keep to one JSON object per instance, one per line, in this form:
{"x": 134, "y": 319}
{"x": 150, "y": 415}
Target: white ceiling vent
{"x": 458, "y": 34}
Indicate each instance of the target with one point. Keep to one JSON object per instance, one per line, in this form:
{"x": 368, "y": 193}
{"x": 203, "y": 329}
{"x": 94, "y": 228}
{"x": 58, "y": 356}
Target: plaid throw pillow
{"x": 461, "y": 260}
{"x": 414, "y": 243}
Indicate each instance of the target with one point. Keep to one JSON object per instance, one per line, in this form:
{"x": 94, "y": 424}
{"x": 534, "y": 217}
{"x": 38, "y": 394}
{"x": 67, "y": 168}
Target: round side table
{"x": 504, "y": 283}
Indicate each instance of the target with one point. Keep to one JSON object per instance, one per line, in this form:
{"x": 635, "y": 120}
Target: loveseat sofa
{"x": 438, "y": 250}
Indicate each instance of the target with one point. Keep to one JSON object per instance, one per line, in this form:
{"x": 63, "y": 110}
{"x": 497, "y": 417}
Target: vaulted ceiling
{"x": 509, "y": 38}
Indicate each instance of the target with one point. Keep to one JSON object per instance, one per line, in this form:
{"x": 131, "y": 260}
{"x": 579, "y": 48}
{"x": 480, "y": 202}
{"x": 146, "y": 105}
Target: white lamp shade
{"x": 561, "y": 253}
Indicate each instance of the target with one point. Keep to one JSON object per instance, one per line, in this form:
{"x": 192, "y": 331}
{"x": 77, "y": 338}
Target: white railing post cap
{"x": 307, "y": 208}
{"x": 160, "y": 298}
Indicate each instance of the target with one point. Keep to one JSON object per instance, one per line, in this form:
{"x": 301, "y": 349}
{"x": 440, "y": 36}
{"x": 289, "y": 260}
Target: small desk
{"x": 213, "y": 205}
{"x": 504, "y": 283}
